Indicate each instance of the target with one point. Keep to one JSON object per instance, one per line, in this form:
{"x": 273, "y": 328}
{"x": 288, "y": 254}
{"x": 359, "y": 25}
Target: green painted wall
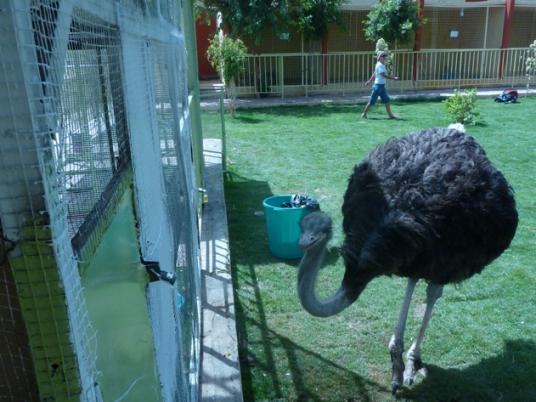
{"x": 43, "y": 306}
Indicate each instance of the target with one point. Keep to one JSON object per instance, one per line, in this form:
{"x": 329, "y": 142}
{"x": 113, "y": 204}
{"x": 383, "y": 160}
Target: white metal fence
{"x": 288, "y": 74}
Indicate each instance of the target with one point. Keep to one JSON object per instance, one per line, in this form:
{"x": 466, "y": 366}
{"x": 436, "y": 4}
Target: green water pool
{"x": 115, "y": 291}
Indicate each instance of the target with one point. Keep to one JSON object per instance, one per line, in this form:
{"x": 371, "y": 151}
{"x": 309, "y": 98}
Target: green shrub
{"x": 461, "y": 107}
{"x": 227, "y": 55}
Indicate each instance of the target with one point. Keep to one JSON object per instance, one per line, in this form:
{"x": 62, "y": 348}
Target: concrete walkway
{"x": 220, "y": 375}
{"x": 212, "y": 102}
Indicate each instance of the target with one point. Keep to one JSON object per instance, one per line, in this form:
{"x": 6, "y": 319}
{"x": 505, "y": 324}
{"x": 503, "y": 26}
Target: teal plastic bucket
{"x": 283, "y": 226}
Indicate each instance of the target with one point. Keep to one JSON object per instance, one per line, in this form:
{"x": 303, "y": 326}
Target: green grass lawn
{"x": 480, "y": 345}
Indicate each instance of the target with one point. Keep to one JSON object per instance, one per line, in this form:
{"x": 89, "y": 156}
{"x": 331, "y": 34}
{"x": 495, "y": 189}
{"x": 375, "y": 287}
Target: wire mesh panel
{"x": 170, "y": 106}
{"x": 161, "y": 146}
{"x": 93, "y": 149}
{"x": 96, "y": 101}
{"x": 60, "y": 336}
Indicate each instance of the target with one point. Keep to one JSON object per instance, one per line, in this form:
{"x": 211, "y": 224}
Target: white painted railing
{"x": 292, "y": 74}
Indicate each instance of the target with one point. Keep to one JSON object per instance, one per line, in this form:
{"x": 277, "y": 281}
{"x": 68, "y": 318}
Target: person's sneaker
{"x": 393, "y": 117}
{"x": 364, "y": 116}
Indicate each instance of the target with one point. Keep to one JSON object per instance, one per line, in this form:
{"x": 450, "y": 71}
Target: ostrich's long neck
{"x": 308, "y": 272}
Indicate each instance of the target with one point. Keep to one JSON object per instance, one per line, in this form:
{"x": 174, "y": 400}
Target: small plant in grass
{"x": 530, "y": 63}
{"x": 227, "y": 56}
{"x": 461, "y": 107}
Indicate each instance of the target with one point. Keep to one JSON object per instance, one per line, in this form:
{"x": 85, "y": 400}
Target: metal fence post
{"x": 281, "y": 75}
{"x": 305, "y": 72}
{"x": 223, "y": 136}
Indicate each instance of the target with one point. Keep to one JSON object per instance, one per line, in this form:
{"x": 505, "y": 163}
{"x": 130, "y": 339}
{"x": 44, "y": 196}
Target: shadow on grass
{"x": 302, "y": 111}
{"x": 505, "y": 377}
{"x": 308, "y": 376}
{"x": 313, "y": 377}
{"x": 380, "y": 117}
{"x": 247, "y": 225}
{"x": 248, "y": 120}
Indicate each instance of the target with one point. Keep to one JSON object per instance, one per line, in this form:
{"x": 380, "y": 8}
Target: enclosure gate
{"x": 94, "y": 101}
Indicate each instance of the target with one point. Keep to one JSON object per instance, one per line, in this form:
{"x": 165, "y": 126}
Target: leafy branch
{"x": 393, "y": 20}
{"x": 227, "y": 56}
{"x": 248, "y": 18}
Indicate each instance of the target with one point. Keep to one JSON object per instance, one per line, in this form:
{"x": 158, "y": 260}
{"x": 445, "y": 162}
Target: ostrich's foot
{"x": 396, "y": 349}
{"x": 397, "y": 370}
{"x": 414, "y": 363}
{"x": 414, "y": 366}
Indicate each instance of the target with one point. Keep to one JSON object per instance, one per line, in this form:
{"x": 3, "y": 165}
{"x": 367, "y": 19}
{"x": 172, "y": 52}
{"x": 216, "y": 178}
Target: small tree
{"x": 227, "y": 56}
{"x": 530, "y": 63}
{"x": 248, "y": 19}
{"x": 461, "y": 107}
{"x": 393, "y": 20}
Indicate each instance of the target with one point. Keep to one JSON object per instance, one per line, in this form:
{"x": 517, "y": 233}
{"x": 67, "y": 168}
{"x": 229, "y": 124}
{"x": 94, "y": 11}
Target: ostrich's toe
{"x": 398, "y": 371}
{"x": 414, "y": 366}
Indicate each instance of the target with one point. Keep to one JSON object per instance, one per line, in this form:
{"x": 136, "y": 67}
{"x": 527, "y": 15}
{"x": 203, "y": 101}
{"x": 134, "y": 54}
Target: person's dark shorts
{"x": 381, "y": 91}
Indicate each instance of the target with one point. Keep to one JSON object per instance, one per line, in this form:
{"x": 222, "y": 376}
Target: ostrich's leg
{"x": 414, "y": 362}
{"x": 396, "y": 344}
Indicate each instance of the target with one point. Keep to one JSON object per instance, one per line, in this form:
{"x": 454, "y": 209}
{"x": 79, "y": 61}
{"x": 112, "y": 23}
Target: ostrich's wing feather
{"x": 428, "y": 205}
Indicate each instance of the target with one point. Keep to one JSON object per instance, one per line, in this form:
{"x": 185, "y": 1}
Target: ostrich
{"x": 429, "y": 206}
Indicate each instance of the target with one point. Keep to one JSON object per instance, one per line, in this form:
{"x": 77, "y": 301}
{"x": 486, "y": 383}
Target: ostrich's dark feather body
{"x": 430, "y": 206}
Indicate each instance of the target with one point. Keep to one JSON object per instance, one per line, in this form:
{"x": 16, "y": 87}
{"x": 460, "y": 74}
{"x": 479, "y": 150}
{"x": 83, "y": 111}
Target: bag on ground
{"x": 509, "y": 95}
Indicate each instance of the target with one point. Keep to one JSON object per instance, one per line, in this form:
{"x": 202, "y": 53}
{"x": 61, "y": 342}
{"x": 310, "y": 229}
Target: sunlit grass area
{"x": 481, "y": 342}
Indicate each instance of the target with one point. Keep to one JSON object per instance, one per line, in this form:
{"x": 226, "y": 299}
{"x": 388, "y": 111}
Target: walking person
{"x": 380, "y": 78}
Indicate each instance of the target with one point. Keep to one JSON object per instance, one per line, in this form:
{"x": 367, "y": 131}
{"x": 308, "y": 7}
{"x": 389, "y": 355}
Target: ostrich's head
{"x": 315, "y": 230}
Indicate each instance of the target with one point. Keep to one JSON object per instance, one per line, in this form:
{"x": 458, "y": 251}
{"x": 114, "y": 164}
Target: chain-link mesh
{"x": 175, "y": 148}
{"x": 97, "y": 100}
{"x": 92, "y": 150}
